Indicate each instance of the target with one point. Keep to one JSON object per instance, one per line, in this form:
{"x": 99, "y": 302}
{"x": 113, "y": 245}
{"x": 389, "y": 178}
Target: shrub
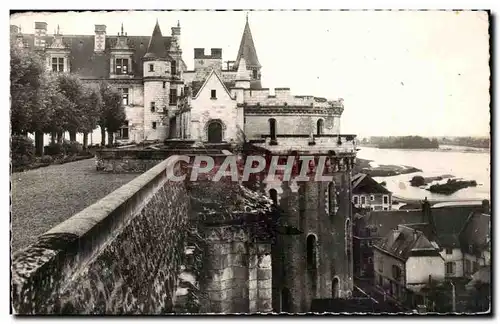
{"x": 22, "y": 150}
{"x": 53, "y": 149}
{"x": 46, "y": 159}
{"x": 72, "y": 147}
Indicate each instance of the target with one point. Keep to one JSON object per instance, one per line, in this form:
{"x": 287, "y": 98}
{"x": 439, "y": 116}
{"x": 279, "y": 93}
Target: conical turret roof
{"x": 156, "y": 46}
{"x": 247, "y": 49}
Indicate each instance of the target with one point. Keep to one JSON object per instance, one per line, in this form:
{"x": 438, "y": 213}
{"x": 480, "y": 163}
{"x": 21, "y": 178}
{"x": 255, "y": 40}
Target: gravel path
{"x": 44, "y": 197}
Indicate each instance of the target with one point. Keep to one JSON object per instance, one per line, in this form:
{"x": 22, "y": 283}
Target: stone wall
{"x": 121, "y": 255}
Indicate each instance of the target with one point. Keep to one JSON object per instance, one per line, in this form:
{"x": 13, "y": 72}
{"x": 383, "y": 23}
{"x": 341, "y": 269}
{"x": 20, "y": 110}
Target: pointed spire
{"x": 122, "y": 29}
{"x": 247, "y": 48}
{"x": 242, "y": 73}
{"x": 156, "y": 46}
{"x": 58, "y": 29}
{"x": 178, "y": 24}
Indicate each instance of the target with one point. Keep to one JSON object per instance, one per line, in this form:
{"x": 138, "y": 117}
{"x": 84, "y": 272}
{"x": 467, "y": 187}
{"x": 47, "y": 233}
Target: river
{"x": 469, "y": 164}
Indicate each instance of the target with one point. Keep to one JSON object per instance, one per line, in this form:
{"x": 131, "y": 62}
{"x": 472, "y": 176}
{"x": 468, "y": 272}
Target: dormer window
{"x": 213, "y": 94}
{"x": 58, "y": 64}
{"x": 151, "y": 67}
{"x": 255, "y": 74}
{"x": 121, "y": 66}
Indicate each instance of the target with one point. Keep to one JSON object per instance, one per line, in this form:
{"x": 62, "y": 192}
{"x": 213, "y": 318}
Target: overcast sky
{"x": 400, "y": 73}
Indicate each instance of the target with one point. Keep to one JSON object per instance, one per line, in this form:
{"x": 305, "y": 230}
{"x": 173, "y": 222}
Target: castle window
{"x": 173, "y": 67}
{"x": 213, "y": 94}
{"x": 363, "y": 200}
{"x": 153, "y": 106}
{"x": 173, "y": 97}
{"x": 124, "y": 96}
{"x": 154, "y": 125}
{"x": 449, "y": 251}
{"x": 450, "y": 268}
{"x": 372, "y": 198}
{"x": 386, "y": 199}
{"x": 58, "y": 64}
{"x": 121, "y": 66}
{"x": 164, "y": 84}
{"x": 272, "y": 129}
{"x": 273, "y": 194}
{"x": 151, "y": 67}
{"x": 311, "y": 252}
{"x": 124, "y": 131}
{"x": 332, "y": 198}
{"x": 255, "y": 74}
{"x": 319, "y": 126}
{"x": 355, "y": 200}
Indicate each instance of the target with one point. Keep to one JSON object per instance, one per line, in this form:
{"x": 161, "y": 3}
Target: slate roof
{"x": 247, "y": 49}
{"x": 476, "y": 232}
{"x": 364, "y": 184}
{"x": 157, "y": 46}
{"x": 447, "y": 221}
{"x": 408, "y": 241}
{"x": 90, "y": 65}
{"x": 196, "y": 85}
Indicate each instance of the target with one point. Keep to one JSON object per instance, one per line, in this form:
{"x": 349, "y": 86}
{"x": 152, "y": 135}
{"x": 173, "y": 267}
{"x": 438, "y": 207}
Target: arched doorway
{"x": 335, "y": 288}
{"x": 214, "y": 131}
{"x": 285, "y": 301}
{"x": 319, "y": 127}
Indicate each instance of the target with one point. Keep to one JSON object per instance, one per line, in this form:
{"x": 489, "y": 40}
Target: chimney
{"x": 40, "y": 34}
{"x": 176, "y": 33}
{"x": 426, "y": 212}
{"x": 199, "y": 53}
{"x": 486, "y": 206}
{"x": 100, "y": 38}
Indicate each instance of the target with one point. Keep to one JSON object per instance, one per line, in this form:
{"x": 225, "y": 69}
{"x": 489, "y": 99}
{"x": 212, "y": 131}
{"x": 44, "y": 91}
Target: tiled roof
{"x": 385, "y": 221}
{"x": 90, "y": 65}
{"x": 247, "y": 49}
{"x": 157, "y": 46}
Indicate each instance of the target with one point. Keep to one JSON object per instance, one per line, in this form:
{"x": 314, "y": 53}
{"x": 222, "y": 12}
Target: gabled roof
{"x": 247, "y": 49}
{"x": 90, "y": 65}
{"x": 213, "y": 72}
{"x": 364, "y": 184}
{"x": 407, "y": 241}
{"x": 476, "y": 232}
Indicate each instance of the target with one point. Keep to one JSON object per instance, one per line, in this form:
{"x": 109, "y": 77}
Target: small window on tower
{"x": 154, "y": 125}
{"x": 153, "y": 106}
{"x": 255, "y": 74}
{"x": 151, "y": 67}
{"x": 213, "y": 94}
{"x": 164, "y": 84}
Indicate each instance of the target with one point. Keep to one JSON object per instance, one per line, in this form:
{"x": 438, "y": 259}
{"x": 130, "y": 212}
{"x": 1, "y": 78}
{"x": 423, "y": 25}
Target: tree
{"x": 92, "y": 105}
{"x": 72, "y": 88}
{"x": 112, "y": 115}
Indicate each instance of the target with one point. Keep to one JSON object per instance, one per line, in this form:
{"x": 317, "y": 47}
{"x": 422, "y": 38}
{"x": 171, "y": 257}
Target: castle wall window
{"x": 273, "y": 194}
{"x": 151, "y": 67}
{"x": 173, "y": 97}
{"x": 355, "y": 200}
{"x": 153, "y": 125}
{"x": 124, "y": 131}
{"x": 255, "y": 74}
{"x": 319, "y": 127}
{"x": 58, "y": 64}
{"x": 449, "y": 251}
{"x": 164, "y": 84}
{"x": 153, "y": 106}
{"x": 311, "y": 252}
{"x": 124, "y": 96}
{"x": 121, "y": 66}
{"x": 173, "y": 67}
{"x": 272, "y": 128}
{"x": 450, "y": 268}
{"x": 213, "y": 94}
